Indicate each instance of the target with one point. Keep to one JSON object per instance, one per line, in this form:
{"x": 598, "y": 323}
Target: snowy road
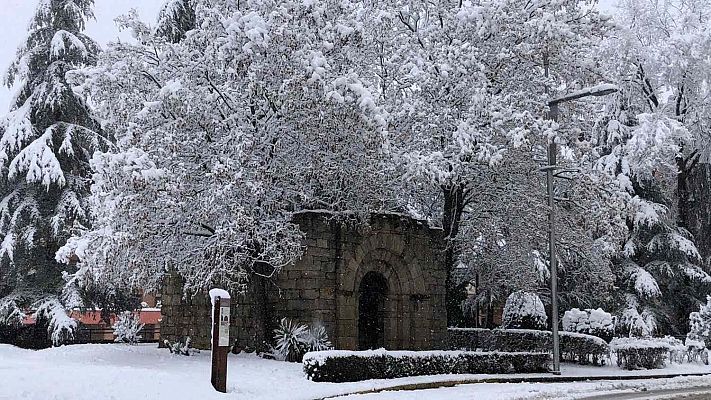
{"x": 697, "y": 393}
{"x": 567, "y": 391}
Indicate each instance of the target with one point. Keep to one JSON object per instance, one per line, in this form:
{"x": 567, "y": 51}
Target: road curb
{"x": 533, "y": 379}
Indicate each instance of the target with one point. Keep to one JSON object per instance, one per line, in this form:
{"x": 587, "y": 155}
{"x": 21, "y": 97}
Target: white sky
{"x": 15, "y": 16}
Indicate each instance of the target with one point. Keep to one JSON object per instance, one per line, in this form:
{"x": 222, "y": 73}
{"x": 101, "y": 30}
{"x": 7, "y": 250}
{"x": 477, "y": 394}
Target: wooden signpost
{"x": 220, "y": 338}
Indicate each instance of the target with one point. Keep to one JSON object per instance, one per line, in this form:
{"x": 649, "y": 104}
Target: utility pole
{"x": 550, "y": 170}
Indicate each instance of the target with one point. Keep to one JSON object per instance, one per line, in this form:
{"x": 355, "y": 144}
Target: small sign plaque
{"x": 224, "y": 330}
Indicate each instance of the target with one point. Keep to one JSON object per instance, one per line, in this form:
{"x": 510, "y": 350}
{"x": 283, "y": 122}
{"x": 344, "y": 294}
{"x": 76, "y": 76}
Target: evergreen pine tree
{"x": 175, "y": 18}
{"x": 46, "y": 142}
{"x": 658, "y": 270}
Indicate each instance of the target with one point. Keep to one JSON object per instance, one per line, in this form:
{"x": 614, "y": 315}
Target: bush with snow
{"x": 182, "y": 347}
{"x": 524, "y": 310}
{"x": 636, "y": 353}
{"x": 317, "y": 339}
{"x": 700, "y": 324}
{"x": 127, "y": 327}
{"x": 591, "y": 322}
{"x": 696, "y": 351}
{"x": 351, "y": 366}
{"x": 293, "y": 340}
{"x": 575, "y": 347}
{"x": 636, "y": 324}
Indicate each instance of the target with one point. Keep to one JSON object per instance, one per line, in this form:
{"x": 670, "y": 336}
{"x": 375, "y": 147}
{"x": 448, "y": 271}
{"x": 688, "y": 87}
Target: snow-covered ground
{"x": 146, "y": 372}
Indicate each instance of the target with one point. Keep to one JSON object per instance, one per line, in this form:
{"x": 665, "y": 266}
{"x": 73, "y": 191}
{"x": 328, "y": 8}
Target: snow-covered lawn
{"x": 146, "y": 372}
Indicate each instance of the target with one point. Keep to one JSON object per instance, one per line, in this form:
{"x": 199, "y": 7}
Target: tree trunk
{"x": 454, "y": 201}
{"x": 694, "y": 205}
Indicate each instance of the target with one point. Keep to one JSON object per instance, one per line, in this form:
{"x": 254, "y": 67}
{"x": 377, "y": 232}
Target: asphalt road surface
{"x": 698, "y": 393}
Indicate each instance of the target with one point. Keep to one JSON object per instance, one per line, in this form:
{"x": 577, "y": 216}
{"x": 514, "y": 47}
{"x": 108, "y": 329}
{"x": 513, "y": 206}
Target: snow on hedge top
{"x": 576, "y": 320}
{"x": 319, "y": 357}
{"x": 637, "y": 343}
{"x": 221, "y": 293}
{"x": 535, "y": 332}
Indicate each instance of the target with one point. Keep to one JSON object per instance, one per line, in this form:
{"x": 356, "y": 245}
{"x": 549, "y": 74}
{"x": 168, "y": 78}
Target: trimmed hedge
{"x": 633, "y": 353}
{"x": 351, "y": 366}
{"x": 574, "y": 347}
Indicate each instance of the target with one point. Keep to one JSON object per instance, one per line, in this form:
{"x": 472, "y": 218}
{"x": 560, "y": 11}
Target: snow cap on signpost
{"x": 215, "y": 293}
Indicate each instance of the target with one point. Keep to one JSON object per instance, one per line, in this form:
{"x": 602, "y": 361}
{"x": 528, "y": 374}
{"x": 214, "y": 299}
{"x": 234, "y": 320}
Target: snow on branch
{"x": 65, "y": 42}
{"x": 644, "y": 283}
{"x": 39, "y": 162}
{"x": 667, "y": 242}
{"x": 16, "y": 130}
{"x": 61, "y": 326}
{"x": 597, "y": 90}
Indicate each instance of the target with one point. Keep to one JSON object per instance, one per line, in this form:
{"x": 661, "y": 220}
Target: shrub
{"x": 350, "y": 366}
{"x": 591, "y": 322}
{"x": 700, "y": 324}
{"x": 575, "y": 347}
{"x": 317, "y": 339}
{"x": 677, "y": 349}
{"x": 636, "y": 324}
{"x": 181, "y": 347}
{"x": 524, "y": 310}
{"x": 294, "y": 340}
{"x": 635, "y": 353}
{"x": 126, "y": 328}
{"x": 696, "y": 350}
{"x": 290, "y": 340}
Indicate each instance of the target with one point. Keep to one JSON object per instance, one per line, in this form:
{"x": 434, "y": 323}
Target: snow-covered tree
{"x": 46, "y": 142}
{"x": 255, "y": 114}
{"x": 465, "y": 87}
{"x": 646, "y": 143}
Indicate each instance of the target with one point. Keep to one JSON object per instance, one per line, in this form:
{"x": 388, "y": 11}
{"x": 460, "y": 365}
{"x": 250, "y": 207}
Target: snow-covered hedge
{"x": 524, "y": 310}
{"x": 635, "y": 353}
{"x": 575, "y": 347}
{"x": 592, "y": 322}
{"x": 350, "y": 366}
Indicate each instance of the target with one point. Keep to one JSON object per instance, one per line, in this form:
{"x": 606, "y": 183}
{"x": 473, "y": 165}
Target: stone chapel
{"x": 380, "y": 284}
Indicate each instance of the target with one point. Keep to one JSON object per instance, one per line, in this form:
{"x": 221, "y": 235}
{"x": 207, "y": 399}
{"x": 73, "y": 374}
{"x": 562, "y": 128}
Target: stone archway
{"x": 386, "y": 256}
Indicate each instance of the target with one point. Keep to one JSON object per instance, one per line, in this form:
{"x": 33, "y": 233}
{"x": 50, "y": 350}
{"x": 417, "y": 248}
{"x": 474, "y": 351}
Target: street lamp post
{"x": 550, "y": 170}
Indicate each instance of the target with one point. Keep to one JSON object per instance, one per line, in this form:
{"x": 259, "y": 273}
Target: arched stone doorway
{"x": 372, "y": 296}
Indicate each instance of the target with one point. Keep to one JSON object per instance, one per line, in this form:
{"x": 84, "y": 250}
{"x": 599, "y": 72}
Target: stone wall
{"x": 322, "y": 287}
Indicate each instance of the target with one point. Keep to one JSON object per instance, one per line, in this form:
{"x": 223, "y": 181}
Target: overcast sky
{"x": 15, "y": 16}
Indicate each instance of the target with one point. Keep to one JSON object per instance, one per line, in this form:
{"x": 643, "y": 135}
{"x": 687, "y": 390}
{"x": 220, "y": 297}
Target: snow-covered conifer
{"x": 46, "y": 142}
{"x": 649, "y": 142}
{"x": 175, "y": 18}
